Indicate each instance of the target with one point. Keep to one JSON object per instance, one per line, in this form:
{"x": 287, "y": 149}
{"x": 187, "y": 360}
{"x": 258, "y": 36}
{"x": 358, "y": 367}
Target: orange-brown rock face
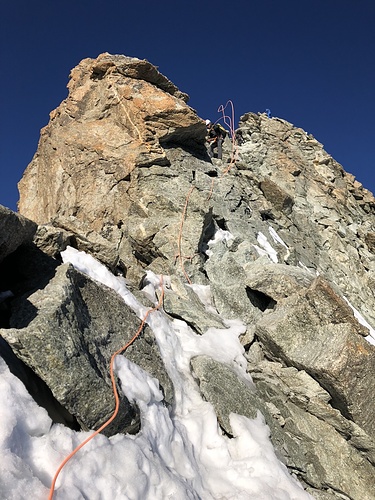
{"x": 119, "y": 113}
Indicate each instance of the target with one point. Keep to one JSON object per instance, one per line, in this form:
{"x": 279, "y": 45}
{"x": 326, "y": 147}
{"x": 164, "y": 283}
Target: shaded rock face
{"x": 70, "y": 345}
{"x": 14, "y": 231}
{"x": 283, "y": 239}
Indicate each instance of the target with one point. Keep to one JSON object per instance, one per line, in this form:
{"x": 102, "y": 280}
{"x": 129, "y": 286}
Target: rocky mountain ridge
{"x": 284, "y": 237}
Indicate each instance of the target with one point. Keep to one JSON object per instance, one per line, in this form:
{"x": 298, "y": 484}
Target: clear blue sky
{"x": 310, "y": 62}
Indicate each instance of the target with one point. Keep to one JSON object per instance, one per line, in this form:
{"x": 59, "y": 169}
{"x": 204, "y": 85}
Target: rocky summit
{"x": 281, "y": 234}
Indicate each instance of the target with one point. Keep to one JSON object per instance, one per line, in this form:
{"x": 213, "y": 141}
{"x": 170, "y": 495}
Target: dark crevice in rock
{"x": 134, "y": 425}
{"x": 97, "y": 74}
{"x": 23, "y": 272}
{"x": 189, "y": 323}
{"x": 225, "y": 432}
{"x": 338, "y": 401}
{"x": 142, "y": 258}
{"x": 212, "y": 173}
{"x": 202, "y": 271}
{"x": 22, "y": 313}
{"x": 267, "y": 215}
{"x": 5, "y": 312}
{"x": 26, "y": 270}
{"x": 260, "y": 300}
{"x": 73, "y": 242}
{"x": 221, "y": 224}
{"x": 197, "y": 150}
{"x": 145, "y": 252}
{"x": 208, "y": 231}
{"x": 210, "y": 225}
{"x": 121, "y": 269}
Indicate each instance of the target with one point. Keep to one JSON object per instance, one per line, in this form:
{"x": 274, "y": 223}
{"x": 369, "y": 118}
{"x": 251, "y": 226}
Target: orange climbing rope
{"x": 114, "y": 388}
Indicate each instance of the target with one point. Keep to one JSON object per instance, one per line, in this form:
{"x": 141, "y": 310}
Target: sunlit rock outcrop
{"x": 119, "y": 118}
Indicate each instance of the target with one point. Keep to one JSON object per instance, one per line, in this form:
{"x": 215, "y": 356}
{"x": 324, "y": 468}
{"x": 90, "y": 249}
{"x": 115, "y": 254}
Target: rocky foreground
{"x": 122, "y": 172}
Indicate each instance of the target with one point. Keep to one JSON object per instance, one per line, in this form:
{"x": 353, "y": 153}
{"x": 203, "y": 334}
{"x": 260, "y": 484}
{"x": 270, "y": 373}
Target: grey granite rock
{"x": 315, "y": 330}
{"x": 313, "y": 449}
{"x": 67, "y": 333}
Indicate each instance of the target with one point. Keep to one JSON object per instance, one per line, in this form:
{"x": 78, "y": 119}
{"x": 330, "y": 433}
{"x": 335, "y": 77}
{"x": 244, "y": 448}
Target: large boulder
{"x": 67, "y": 333}
{"x": 316, "y": 331}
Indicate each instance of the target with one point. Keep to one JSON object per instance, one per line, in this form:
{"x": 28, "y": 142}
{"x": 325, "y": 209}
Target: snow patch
{"x": 266, "y": 248}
